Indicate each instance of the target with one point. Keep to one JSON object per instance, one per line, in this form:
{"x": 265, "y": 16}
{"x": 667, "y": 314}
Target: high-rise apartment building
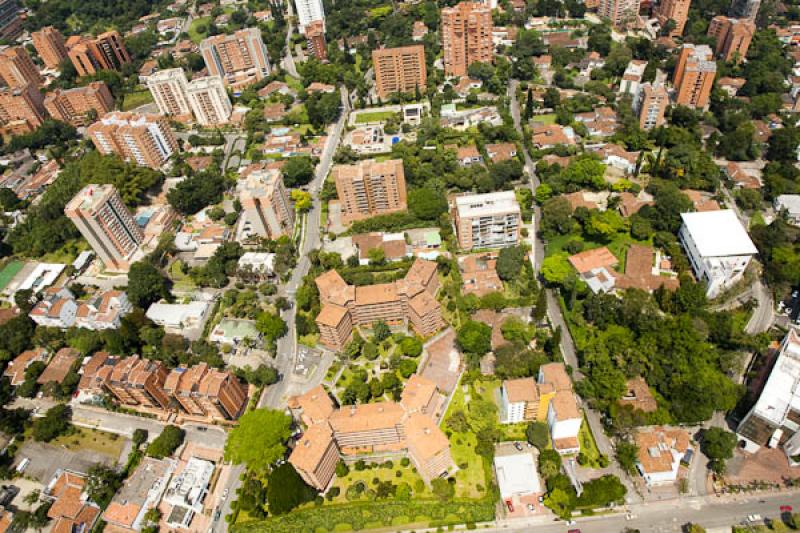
{"x": 75, "y": 106}
{"x": 694, "y": 75}
{"x": 466, "y": 37}
{"x": 307, "y": 12}
{"x": 675, "y": 10}
{"x": 105, "y": 52}
{"x": 745, "y": 9}
{"x": 620, "y": 12}
{"x": 168, "y": 88}
{"x": 490, "y": 220}
{"x": 240, "y": 58}
{"x": 399, "y": 70}
{"x": 49, "y": 44}
{"x": 267, "y": 210}
{"x": 370, "y": 188}
{"x": 104, "y": 221}
{"x": 651, "y": 105}
{"x": 733, "y": 37}
{"x": 10, "y": 22}
{"x": 17, "y": 68}
{"x": 21, "y": 110}
{"x": 315, "y": 38}
{"x": 209, "y": 100}
{"x": 146, "y": 140}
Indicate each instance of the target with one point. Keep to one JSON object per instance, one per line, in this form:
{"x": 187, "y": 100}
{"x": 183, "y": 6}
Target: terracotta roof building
{"x": 15, "y": 371}
{"x": 17, "y": 68}
{"x": 479, "y": 274}
{"x": 241, "y": 58}
{"x": 660, "y": 452}
{"x": 399, "y": 70}
{"x": 76, "y": 105}
{"x": 208, "y": 393}
{"x": 466, "y": 30}
{"x": 694, "y": 75}
{"x": 59, "y": 366}
{"x": 638, "y": 396}
{"x": 370, "y": 188}
{"x": 71, "y": 510}
{"x": 105, "y": 52}
{"x": 49, "y": 44}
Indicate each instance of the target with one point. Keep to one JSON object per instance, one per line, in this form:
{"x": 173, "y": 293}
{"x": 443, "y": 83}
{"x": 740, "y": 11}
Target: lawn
{"x": 549, "y": 118}
{"x": 194, "y": 29}
{"x": 182, "y": 281}
{"x": 136, "y": 99}
{"x": 380, "y": 11}
{"x": 374, "y": 116}
{"x": 471, "y": 476}
{"x": 381, "y": 472}
{"x": 109, "y": 444}
{"x": 67, "y": 253}
{"x": 8, "y": 273}
{"x": 293, "y": 83}
{"x": 588, "y": 445}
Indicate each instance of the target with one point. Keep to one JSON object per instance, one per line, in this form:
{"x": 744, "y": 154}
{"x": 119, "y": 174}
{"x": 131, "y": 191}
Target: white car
{"x": 754, "y": 518}
{"x": 224, "y": 494}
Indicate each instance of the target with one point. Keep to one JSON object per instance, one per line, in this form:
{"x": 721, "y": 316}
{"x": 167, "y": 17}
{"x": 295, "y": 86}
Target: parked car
{"x": 510, "y": 506}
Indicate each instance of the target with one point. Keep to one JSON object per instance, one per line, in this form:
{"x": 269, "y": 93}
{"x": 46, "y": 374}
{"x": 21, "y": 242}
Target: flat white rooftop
{"x": 718, "y": 233}
{"x": 493, "y": 203}
{"x": 516, "y": 474}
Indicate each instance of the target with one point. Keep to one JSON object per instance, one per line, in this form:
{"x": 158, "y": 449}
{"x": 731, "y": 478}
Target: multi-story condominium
{"x": 370, "y": 188}
{"x": 267, "y": 210}
{"x": 718, "y": 247}
{"x": 21, "y": 110}
{"x": 632, "y": 78}
{"x": 168, "y": 88}
{"x": 733, "y": 37}
{"x": 651, "y": 105}
{"x": 56, "y": 309}
{"x": 315, "y": 38}
{"x": 209, "y": 100}
{"x": 565, "y": 419}
{"x": 137, "y": 382}
{"x": 366, "y": 429}
{"x": 146, "y": 140}
{"x": 745, "y": 9}
{"x": 240, "y": 58}
{"x": 307, "y": 12}
{"x": 399, "y": 70}
{"x": 674, "y": 10}
{"x": 104, "y": 221}
{"x": 17, "y": 68}
{"x": 694, "y": 75}
{"x": 524, "y": 400}
{"x": 76, "y": 106}
{"x": 10, "y": 22}
{"x": 774, "y": 420}
{"x": 491, "y": 220}
{"x": 620, "y": 12}
{"x": 105, "y": 52}
{"x": 466, "y": 37}
{"x": 49, "y": 44}
{"x": 410, "y": 300}
{"x": 207, "y": 392}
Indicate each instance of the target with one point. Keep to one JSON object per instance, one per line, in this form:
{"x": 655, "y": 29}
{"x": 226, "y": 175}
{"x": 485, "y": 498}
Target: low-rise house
{"x": 186, "y": 492}
{"x": 660, "y": 453}
{"x": 517, "y": 478}
{"x": 702, "y": 201}
{"x": 788, "y": 205}
{"x": 462, "y": 120}
{"x": 468, "y": 156}
{"x": 638, "y": 396}
{"x": 596, "y": 268}
{"x": 317, "y": 87}
{"x": 563, "y": 414}
{"x": 731, "y": 85}
{"x": 524, "y": 400}
{"x": 273, "y": 87}
{"x": 552, "y": 135}
{"x": 479, "y": 274}
{"x": 466, "y": 85}
{"x": 592, "y": 61}
{"x": 103, "y": 311}
{"x": 256, "y": 265}
{"x": 59, "y": 366}
{"x": 393, "y": 245}
{"x": 419, "y": 30}
{"x": 15, "y": 371}
{"x": 233, "y": 331}
{"x": 178, "y": 316}
{"x": 71, "y": 510}
{"x": 139, "y": 493}
{"x": 501, "y": 151}
{"x": 368, "y": 140}
{"x": 602, "y": 122}
{"x": 56, "y": 309}
{"x": 617, "y": 157}
{"x": 743, "y": 178}
{"x": 629, "y": 204}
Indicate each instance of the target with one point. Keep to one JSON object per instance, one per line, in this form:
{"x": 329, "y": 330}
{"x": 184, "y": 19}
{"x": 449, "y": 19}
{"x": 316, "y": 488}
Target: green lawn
{"x": 293, "y": 83}
{"x": 136, "y": 99}
{"x": 374, "y": 116}
{"x": 408, "y": 475}
{"x": 93, "y": 440}
{"x": 194, "y": 34}
{"x": 588, "y": 445}
{"x": 8, "y": 273}
{"x": 380, "y": 11}
{"x": 182, "y": 281}
{"x": 550, "y": 118}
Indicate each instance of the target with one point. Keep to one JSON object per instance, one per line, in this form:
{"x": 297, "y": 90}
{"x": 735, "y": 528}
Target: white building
{"x": 178, "y": 316}
{"x": 307, "y": 12}
{"x": 790, "y": 203}
{"x": 632, "y": 78}
{"x": 517, "y": 475}
{"x": 209, "y": 100}
{"x": 564, "y": 418}
{"x": 776, "y": 414}
{"x": 519, "y": 400}
{"x": 661, "y": 451}
{"x": 56, "y": 309}
{"x": 718, "y": 247}
{"x": 186, "y": 492}
{"x": 168, "y": 88}
{"x": 103, "y": 311}
{"x": 492, "y": 220}
{"x": 259, "y": 263}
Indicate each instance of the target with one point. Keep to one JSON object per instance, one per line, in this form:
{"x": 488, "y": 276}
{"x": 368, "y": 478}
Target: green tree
{"x": 556, "y": 269}
{"x": 718, "y": 444}
{"x": 146, "y": 284}
{"x": 259, "y": 439}
{"x": 381, "y": 331}
{"x": 139, "y": 437}
{"x": 170, "y": 438}
{"x": 297, "y": 171}
{"x": 286, "y": 490}
{"x": 509, "y": 262}
{"x": 443, "y": 489}
{"x": 411, "y": 346}
{"x": 627, "y": 456}
{"x": 475, "y": 338}
{"x": 426, "y": 203}
{"x": 272, "y": 326}
{"x": 538, "y": 435}
{"x": 54, "y": 423}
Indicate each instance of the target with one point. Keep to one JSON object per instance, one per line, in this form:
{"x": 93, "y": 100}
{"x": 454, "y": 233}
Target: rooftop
{"x": 718, "y": 233}
{"x": 490, "y": 204}
{"x": 517, "y": 474}
{"x": 521, "y": 390}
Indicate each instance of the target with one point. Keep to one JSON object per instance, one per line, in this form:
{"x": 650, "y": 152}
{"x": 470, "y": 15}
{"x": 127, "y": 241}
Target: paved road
{"x": 288, "y": 60}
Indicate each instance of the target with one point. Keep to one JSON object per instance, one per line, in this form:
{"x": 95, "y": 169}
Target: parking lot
{"x": 46, "y": 459}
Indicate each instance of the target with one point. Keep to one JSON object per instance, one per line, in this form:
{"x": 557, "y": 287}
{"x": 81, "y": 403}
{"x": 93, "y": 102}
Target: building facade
{"x": 675, "y": 10}
{"x": 21, "y": 110}
{"x": 240, "y": 59}
{"x": 145, "y": 140}
{"x": 169, "y": 90}
{"x": 307, "y": 12}
{"x": 209, "y": 100}
{"x": 10, "y": 21}
{"x": 399, "y": 70}
{"x": 466, "y": 37}
{"x": 49, "y": 44}
{"x": 267, "y": 209}
{"x": 733, "y": 37}
{"x": 694, "y": 76}
{"x": 77, "y": 106}
{"x": 104, "y": 221}
{"x": 632, "y": 78}
{"x": 621, "y": 13}
{"x": 370, "y": 188}
{"x": 205, "y": 392}
{"x": 105, "y": 52}
{"x": 315, "y": 39}
{"x": 651, "y": 105}
{"x": 491, "y": 220}
{"x": 745, "y": 9}
{"x": 17, "y": 68}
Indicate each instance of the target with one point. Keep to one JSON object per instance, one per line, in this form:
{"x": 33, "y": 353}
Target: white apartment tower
{"x": 490, "y": 220}
{"x": 308, "y": 11}
{"x": 209, "y": 100}
{"x": 267, "y": 210}
{"x": 168, "y": 88}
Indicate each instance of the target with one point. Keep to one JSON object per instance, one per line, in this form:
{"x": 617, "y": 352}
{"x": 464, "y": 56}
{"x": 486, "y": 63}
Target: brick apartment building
{"x": 17, "y": 68}
{"x": 490, "y": 220}
{"x": 733, "y": 37}
{"x": 240, "y": 58}
{"x": 315, "y": 38}
{"x": 359, "y": 431}
{"x": 466, "y": 37}
{"x": 21, "y": 110}
{"x": 267, "y": 210}
{"x": 399, "y": 70}
{"x": 49, "y": 44}
{"x": 207, "y": 392}
{"x": 145, "y": 140}
{"x": 169, "y": 90}
{"x": 694, "y": 75}
{"x": 75, "y": 106}
{"x": 621, "y": 13}
{"x": 651, "y": 105}
{"x": 675, "y": 10}
{"x": 105, "y": 52}
{"x": 209, "y": 100}
{"x": 370, "y": 188}
{"x": 410, "y": 300}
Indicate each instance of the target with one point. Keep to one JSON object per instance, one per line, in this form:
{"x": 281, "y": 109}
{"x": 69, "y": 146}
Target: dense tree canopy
{"x": 260, "y": 438}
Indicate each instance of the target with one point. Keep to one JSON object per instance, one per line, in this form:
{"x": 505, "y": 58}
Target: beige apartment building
{"x": 490, "y": 220}
{"x": 104, "y": 221}
{"x": 621, "y": 13}
{"x": 733, "y": 37}
{"x": 399, "y": 70}
{"x": 267, "y": 209}
{"x": 209, "y": 100}
{"x": 169, "y": 90}
{"x": 21, "y": 110}
{"x": 675, "y": 10}
{"x": 370, "y": 188}
{"x": 17, "y": 68}
{"x": 694, "y": 75}
{"x": 410, "y": 301}
{"x": 240, "y": 58}
{"x": 146, "y": 140}
{"x": 466, "y": 37}
{"x": 76, "y": 105}
{"x": 105, "y": 52}
{"x": 49, "y": 44}
{"x": 652, "y": 103}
